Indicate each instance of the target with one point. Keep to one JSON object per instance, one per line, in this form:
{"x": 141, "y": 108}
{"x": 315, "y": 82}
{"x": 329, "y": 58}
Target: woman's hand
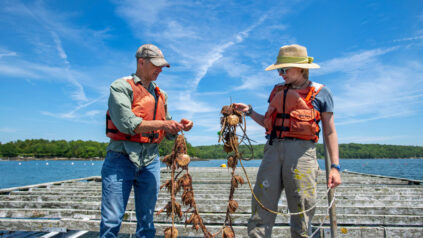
{"x": 241, "y": 107}
{"x": 187, "y": 124}
{"x": 334, "y": 178}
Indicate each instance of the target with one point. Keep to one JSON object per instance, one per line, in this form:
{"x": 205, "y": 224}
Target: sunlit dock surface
{"x": 366, "y": 206}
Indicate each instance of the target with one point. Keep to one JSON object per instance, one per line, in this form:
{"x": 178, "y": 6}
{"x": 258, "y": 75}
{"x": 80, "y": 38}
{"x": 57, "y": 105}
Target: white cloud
{"x": 29, "y": 70}
{"x": 37, "y": 21}
{"x": 257, "y": 81}
{"x": 352, "y": 62}
{"x": 59, "y": 48}
{"x": 175, "y": 31}
{"x": 371, "y": 89}
{"x": 8, "y": 130}
{"x": 74, "y": 113}
{"x": 141, "y": 11}
{"x": 93, "y": 113}
{"x": 47, "y": 32}
{"x": 4, "y": 53}
{"x": 78, "y": 94}
{"x": 280, "y": 27}
{"x": 196, "y": 140}
{"x": 413, "y": 38}
{"x": 209, "y": 121}
{"x": 184, "y": 102}
{"x": 217, "y": 53}
{"x": 15, "y": 71}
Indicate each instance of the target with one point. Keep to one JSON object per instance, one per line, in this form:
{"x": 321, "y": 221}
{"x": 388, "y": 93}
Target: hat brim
{"x": 159, "y": 62}
{"x": 303, "y": 66}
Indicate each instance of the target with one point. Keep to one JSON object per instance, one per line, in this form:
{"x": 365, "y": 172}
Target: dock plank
{"x": 367, "y": 205}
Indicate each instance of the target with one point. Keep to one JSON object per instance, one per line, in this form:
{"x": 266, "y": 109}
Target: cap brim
{"x": 303, "y": 66}
{"x": 159, "y": 62}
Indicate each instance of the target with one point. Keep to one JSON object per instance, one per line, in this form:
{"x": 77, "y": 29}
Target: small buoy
{"x": 47, "y": 163}
{"x": 20, "y": 163}
{"x": 223, "y": 165}
{"x": 72, "y": 163}
{"x": 92, "y": 163}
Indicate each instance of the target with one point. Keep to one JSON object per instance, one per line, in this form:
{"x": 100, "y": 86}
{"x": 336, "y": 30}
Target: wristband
{"x": 335, "y": 166}
{"x": 250, "y": 110}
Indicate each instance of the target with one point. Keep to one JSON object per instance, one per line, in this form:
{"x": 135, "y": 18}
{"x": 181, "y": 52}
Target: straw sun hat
{"x": 293, "y": 56}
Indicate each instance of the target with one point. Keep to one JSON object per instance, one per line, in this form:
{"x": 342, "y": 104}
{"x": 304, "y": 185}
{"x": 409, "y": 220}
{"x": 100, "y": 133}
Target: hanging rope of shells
{"x": 230, "y": 120}
{"x": 178, "y": 161}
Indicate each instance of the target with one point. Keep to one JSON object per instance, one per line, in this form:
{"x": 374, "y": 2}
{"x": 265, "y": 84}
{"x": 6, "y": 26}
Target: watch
{"x": 335, "y": 166}
{"x": 250, "y": 110}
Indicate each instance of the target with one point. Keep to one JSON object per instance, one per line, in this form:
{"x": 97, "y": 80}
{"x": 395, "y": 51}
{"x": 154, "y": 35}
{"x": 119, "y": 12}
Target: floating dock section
{"x": 366, "y": 206}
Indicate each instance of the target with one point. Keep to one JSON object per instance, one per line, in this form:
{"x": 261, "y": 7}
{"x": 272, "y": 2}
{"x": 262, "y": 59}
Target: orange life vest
{"x": 291, "y": 113}
{"x": 147, "y": 107}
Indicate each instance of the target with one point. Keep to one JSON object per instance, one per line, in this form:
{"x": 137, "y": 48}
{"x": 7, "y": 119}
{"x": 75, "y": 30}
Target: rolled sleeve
{"x": 120, "y": 103}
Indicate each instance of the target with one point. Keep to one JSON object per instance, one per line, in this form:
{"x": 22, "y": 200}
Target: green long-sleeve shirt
{"x": 120, "y": 101}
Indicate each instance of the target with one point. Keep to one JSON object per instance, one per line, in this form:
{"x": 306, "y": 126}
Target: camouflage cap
{"x": 153, "y": 53}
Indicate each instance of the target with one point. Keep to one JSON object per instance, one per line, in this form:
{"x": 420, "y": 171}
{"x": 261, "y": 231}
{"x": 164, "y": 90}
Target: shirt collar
{"x": 138, "y": 80}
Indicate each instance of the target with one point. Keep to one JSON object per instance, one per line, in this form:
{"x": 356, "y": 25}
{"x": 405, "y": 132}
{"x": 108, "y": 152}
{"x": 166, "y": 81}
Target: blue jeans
{"x": 118, "y": 175}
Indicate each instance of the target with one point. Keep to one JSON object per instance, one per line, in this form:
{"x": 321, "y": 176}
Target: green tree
{"x": 9, "y": 150}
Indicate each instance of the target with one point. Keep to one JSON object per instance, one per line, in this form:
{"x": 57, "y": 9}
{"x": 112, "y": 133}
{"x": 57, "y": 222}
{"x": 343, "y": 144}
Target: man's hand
{"x": 241, "y": 107}
{"x": 187, "y": 124}
{"x": 334, "y": 178}
{"x": 172, "y": 127}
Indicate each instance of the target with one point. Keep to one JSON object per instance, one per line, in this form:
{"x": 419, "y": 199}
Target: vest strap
{"x": 281, "y": 128}
{"x": 151, "y": 135}
{"x": 283, "y": 115}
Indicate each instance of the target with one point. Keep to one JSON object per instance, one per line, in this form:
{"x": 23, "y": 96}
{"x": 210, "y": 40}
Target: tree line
{"x": 41, "y": 148}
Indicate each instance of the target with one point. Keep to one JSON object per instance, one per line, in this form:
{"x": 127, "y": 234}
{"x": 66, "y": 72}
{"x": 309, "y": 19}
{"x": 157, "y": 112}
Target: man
{"x": 290, "y": 162}
{"x": 137, "y": 120}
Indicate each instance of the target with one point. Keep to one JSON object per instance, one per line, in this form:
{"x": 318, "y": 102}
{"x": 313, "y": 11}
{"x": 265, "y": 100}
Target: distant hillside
{"x": 346, "y": 151}
{"x": 40, "y": 148}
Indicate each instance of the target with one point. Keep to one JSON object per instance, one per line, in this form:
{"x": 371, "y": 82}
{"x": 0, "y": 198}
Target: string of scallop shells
{"x": 178, "y": 161}
{"x": 229, "y": 121}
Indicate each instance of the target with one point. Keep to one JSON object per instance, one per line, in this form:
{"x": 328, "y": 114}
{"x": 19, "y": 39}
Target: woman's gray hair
{"x": 305, "y": 73}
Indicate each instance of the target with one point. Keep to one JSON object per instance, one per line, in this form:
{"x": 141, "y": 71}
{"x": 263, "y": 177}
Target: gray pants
{"x": 290, "y": 165}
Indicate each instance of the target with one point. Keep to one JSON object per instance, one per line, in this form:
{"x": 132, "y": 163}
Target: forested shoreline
{"x": 61, "y": 149}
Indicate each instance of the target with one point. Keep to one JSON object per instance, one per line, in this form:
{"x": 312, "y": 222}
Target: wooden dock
{"x": 366, "y": 206}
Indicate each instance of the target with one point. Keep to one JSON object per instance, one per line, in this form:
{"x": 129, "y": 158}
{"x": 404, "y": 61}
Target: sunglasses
{"x": 283, "y": 70}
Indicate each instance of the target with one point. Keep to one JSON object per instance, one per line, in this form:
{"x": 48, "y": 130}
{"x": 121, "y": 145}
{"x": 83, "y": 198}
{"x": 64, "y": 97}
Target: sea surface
{"x": 20, "y": 173}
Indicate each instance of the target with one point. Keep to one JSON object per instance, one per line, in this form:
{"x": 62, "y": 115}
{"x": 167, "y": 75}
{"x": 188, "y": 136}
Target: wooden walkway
{"x": 367, "y": 206}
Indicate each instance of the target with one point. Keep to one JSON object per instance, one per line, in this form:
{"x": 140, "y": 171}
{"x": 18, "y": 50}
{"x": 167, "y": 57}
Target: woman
{"x": 292, "y": 128}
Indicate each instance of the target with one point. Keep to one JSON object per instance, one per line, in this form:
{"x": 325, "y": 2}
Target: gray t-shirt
{"x": 324, "y": 101}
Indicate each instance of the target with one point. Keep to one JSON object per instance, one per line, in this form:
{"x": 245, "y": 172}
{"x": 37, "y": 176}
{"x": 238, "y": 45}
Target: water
{"x": 20, "y": 173}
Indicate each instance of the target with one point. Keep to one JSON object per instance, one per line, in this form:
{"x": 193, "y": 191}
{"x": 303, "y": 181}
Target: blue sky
{"x": 58, "y": 58}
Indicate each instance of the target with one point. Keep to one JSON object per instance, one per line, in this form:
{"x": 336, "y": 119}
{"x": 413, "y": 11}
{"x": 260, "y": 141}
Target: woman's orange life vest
{"x": 291, "y": 113}
{"x": 147, "y": 107}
